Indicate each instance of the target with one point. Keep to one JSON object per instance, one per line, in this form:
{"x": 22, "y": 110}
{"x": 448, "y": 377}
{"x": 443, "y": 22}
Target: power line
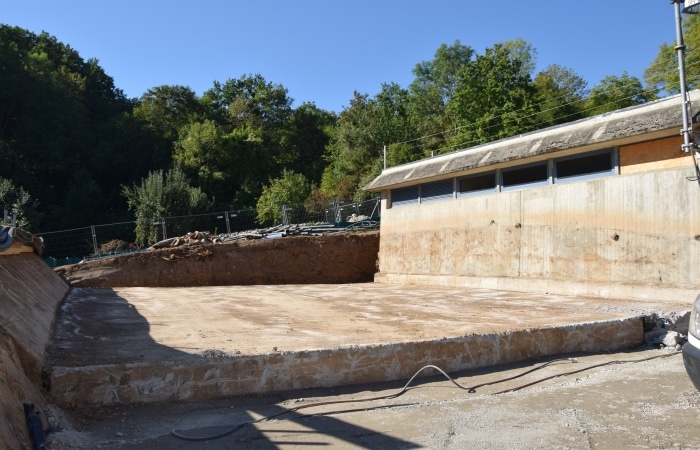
{"x": 526, "y": 113}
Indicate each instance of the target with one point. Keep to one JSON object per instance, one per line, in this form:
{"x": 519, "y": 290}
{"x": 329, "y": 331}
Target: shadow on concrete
{"x": 98, "y": 327}
{"x": 295, "y": 429}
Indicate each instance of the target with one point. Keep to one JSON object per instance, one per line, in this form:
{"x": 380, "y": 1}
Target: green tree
{"x": 251, "y": 101}
{"x": 309, "y": 134}
{"x": 614, "y": 93}
{"x": 289, "y": 189}
{"x": 18, "y": 204}
{"x": 562, "y": 93}
{"x": 493, "y": 99}
{"x": 60, "y": 115}
{"x": 229, "y": 166}
{"x": 522, "y": 51}
{"x": 355, "y": 150}
{"x": 162, "y": 195}
{"x": 254, "y": 118}
{"x": 165, "y": 109}
{"x": 433, "y": 89}
{"x": 663, "y": 74}
{"x": 201, "y": 151}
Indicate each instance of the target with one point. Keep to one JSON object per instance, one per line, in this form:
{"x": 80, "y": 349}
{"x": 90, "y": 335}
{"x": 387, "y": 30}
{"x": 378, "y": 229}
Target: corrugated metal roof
{"x": 661, "y": 118}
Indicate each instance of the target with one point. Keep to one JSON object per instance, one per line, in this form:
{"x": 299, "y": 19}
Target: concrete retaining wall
{"x": 626, "y": 236}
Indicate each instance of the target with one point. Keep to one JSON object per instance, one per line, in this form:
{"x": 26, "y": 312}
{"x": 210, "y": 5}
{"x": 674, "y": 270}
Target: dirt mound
{"x": 335, "y": 258}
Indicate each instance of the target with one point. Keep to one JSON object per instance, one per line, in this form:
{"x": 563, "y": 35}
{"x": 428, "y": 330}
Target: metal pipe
{"x": 680, "y": 49}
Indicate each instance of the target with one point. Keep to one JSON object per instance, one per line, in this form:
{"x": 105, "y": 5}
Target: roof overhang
{"x": 653, "y": 120}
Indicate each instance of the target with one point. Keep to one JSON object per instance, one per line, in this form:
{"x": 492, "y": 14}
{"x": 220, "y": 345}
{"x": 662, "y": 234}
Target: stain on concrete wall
{"x": 637, "y": 232}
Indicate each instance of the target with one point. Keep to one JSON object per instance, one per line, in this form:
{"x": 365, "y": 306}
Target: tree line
{"x": 74, "y": 150}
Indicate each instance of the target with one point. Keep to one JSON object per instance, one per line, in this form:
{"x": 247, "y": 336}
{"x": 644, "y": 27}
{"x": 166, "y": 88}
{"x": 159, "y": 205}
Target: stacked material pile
{"x": 279, "y": 231}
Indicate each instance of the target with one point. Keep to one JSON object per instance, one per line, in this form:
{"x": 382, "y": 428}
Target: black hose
{"x": 178, "y": 433}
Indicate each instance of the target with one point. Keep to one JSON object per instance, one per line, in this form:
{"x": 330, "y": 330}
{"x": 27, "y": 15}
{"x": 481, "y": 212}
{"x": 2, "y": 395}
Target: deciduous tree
{"x": 289, "y": 189}
{"x": 160, "y": 195}
{"x": 562, "y": 93}
{"x": 615, "y": 92}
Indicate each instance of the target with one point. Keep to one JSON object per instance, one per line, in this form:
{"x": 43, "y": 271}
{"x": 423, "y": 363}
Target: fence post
{"x": 228, "y": 223}
{"x": 165, "y": 232}
{"x": 285, "y": 214}
{"x": 94, "y": 239}
{"x": 337, "y": 211}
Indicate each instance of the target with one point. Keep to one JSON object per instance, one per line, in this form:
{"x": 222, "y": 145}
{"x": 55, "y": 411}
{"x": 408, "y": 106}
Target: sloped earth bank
{"x": 329, "y": 259}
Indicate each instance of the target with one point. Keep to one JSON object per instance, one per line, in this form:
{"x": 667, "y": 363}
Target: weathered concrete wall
{"x": 150, "y": 382}
{"x": 29, "y": 295}
{"x": 626, "y": 236}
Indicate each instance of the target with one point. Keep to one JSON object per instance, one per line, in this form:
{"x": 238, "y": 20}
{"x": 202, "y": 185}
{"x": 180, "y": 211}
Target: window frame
{"x": 514, "y": 187}
{"x": 614, "y": 166}
{"x": 407, "y": 201}
{"x": 495, "y": 189}
{"x": 437, "y": 198}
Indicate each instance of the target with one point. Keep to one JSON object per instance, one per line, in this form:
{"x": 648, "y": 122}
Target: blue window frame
{"x": 536, "y": 174}
{"x": 437, "y": 190}
{"x": 404, "y": 196}
{"x": 481, "y": 183}
{"x": 584, "y": 166}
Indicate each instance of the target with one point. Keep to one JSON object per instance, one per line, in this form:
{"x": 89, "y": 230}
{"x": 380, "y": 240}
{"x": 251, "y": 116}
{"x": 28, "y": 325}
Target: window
{"x": 438, "y": 190}
{"x": 531, "y": 174}
{"x": 589, "y": 165}
{"x": 569, "y": 168}
{"x": 475, "y": 184}
{"x": 404, "y": 196}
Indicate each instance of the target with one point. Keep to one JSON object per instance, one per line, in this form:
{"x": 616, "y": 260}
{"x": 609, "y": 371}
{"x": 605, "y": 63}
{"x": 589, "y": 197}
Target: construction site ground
{"x": 649, "y": 404}
{"x": 161, "y": 366}
{"x": 646, "y": 405}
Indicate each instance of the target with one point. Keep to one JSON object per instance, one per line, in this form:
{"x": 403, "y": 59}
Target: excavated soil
{"x": 328, "y": 259}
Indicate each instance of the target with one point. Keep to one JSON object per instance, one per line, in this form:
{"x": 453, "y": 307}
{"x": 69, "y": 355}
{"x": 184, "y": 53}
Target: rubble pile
{"x": 668, "y": 331}
{"x": 191, "y": 238}
{"x": 279, "y": 231}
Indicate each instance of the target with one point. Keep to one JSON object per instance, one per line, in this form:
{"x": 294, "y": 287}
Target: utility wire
{"x": 471, "y": 389}
{"x": 474, "y": 125}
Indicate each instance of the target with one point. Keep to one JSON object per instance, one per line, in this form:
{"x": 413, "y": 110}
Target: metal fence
{"x": 330, "y": 212}
{"x": 72, "y": 246}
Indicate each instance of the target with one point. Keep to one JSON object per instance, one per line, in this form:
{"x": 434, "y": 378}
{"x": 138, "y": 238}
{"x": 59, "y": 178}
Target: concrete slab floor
{"x": 120, "y": 325}
{"x": 136, "y": 345}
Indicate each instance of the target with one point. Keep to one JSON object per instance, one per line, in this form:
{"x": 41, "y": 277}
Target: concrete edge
{"x": 162, "y": 381}
{"x": 612, "y": 291}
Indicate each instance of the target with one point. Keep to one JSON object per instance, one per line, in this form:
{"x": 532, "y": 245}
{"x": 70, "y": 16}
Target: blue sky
{"x": 323, "y": 51}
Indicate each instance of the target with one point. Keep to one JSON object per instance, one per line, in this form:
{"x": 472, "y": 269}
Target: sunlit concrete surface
{"x": 143, "y": 345}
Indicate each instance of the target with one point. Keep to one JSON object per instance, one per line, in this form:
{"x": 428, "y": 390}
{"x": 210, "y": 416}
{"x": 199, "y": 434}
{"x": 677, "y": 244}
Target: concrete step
{"x": 145, "y": 345}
